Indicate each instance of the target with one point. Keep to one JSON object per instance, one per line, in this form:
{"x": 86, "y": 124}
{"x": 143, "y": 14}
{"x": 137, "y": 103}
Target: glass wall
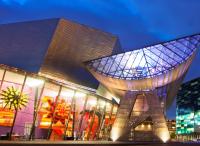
{"x": 32, "y": 88}
{"x": 65, "y": 112}
{"x": 38, "y": 108}
{"x": 106, "y": 125}
{"x": 101, "y": 110}
{"x": 79, "y": 114}
{"x": 11, "y": 84}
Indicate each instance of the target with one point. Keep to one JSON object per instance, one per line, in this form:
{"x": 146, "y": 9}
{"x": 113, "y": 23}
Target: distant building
{"x": 171, "y": 124}
{"x": 188, "y": 110}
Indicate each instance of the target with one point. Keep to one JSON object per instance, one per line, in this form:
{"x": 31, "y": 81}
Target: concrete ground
{"x": 90, "y": 143}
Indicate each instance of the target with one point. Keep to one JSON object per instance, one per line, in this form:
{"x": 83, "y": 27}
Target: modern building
{"x": 44, "y": 60}
{"x": 188, "y": 110}
{"x": 63, "y": 80}
{"x": 171, "y": 124}
{"x": 146, "y": 80}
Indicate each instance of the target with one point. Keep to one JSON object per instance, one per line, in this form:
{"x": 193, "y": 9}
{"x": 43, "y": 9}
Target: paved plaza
{"x": 92, "y": 143}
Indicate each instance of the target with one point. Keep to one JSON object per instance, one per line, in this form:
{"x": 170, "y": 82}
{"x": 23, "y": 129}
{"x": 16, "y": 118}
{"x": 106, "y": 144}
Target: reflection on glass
{"x": 65, "y": 113}
{"x": 73, "y": 116}
{"x": 1, "y": 73}
{"x": 6, "y": 115}
{"x": 28, "y": 116}
{"x": 79, "y": 110}
{"x": 89, "y": 125}
{"x": 101, "y": 109}
{"x": 47, "y": 108}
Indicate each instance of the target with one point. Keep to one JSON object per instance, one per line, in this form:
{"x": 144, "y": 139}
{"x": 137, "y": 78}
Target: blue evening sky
{"x": 137, "y": 23}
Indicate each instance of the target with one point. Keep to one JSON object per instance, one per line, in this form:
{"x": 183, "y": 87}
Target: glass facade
{"x": 54, "y": 111}
{"x": 188, "y": 108}
{"x": 147, "y": 62}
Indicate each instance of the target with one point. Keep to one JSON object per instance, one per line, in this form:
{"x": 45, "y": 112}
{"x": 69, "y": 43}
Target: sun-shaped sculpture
{"x": 14, "y": 99}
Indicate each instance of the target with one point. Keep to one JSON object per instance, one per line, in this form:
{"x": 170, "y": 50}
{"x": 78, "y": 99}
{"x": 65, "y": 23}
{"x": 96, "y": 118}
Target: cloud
{"x": 11, "y": 2}
{"x": 131, "y": 20}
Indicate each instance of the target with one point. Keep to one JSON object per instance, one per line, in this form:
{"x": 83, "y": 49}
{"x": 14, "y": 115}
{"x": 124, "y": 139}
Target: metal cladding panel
{"x": 72, "y": 45}
{"x": 132, "y": 113}
{"x": 23, "y": 45}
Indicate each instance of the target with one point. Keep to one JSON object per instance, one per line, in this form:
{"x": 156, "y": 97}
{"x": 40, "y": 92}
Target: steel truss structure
{"x": 147, "y": 62}
{"x": 155, "y": 72}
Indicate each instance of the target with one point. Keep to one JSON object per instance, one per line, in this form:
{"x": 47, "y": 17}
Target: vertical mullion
{"x": 74, "y": 116}
{"x": 110, "y": 117}
{"x": 92, "y": 121}
{"x": 70, "y": 111}
{"x": 101, "y": 122}
{"x": 4, "y": 73}
{"x": 36, "y": 112}
{"x": 16, "y": 111}
{"x": 51, "y": 124}
{"x": 81, "y": 119}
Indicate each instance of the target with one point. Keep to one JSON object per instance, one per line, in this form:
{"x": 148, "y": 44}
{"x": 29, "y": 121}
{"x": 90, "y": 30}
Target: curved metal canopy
{"x": 147, "y": 62}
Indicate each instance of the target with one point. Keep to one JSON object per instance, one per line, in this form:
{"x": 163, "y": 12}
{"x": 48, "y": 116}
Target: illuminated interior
{"x": 58, "y": 111}
{"x": 188, "y": 109}
{"x": 71, "y": 94}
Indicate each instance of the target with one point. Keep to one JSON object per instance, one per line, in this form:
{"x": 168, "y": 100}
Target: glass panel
{"x": 107, "y": 127}
{"x": 14, "y": 77}
{"x": 46, "y": 110}
{"x": 13, "y": 84}
{"x": 100, "y": 111}
{"x": 108, "y": 65}
{"x": 64, "y": 111}
{"x": 80, "y": 98}
{"x": 130, "y": 62}
{"x": 24, "y": 120}
{"x": 114, "y": 112}
{"x": 1, "y": 73}
{"x": 160, "y": 57}
{"x": 113, "y": 68}
{"x": 96, "y": 64}
{"x": 87, "y": 122}
{"x": 138, "y": 59}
